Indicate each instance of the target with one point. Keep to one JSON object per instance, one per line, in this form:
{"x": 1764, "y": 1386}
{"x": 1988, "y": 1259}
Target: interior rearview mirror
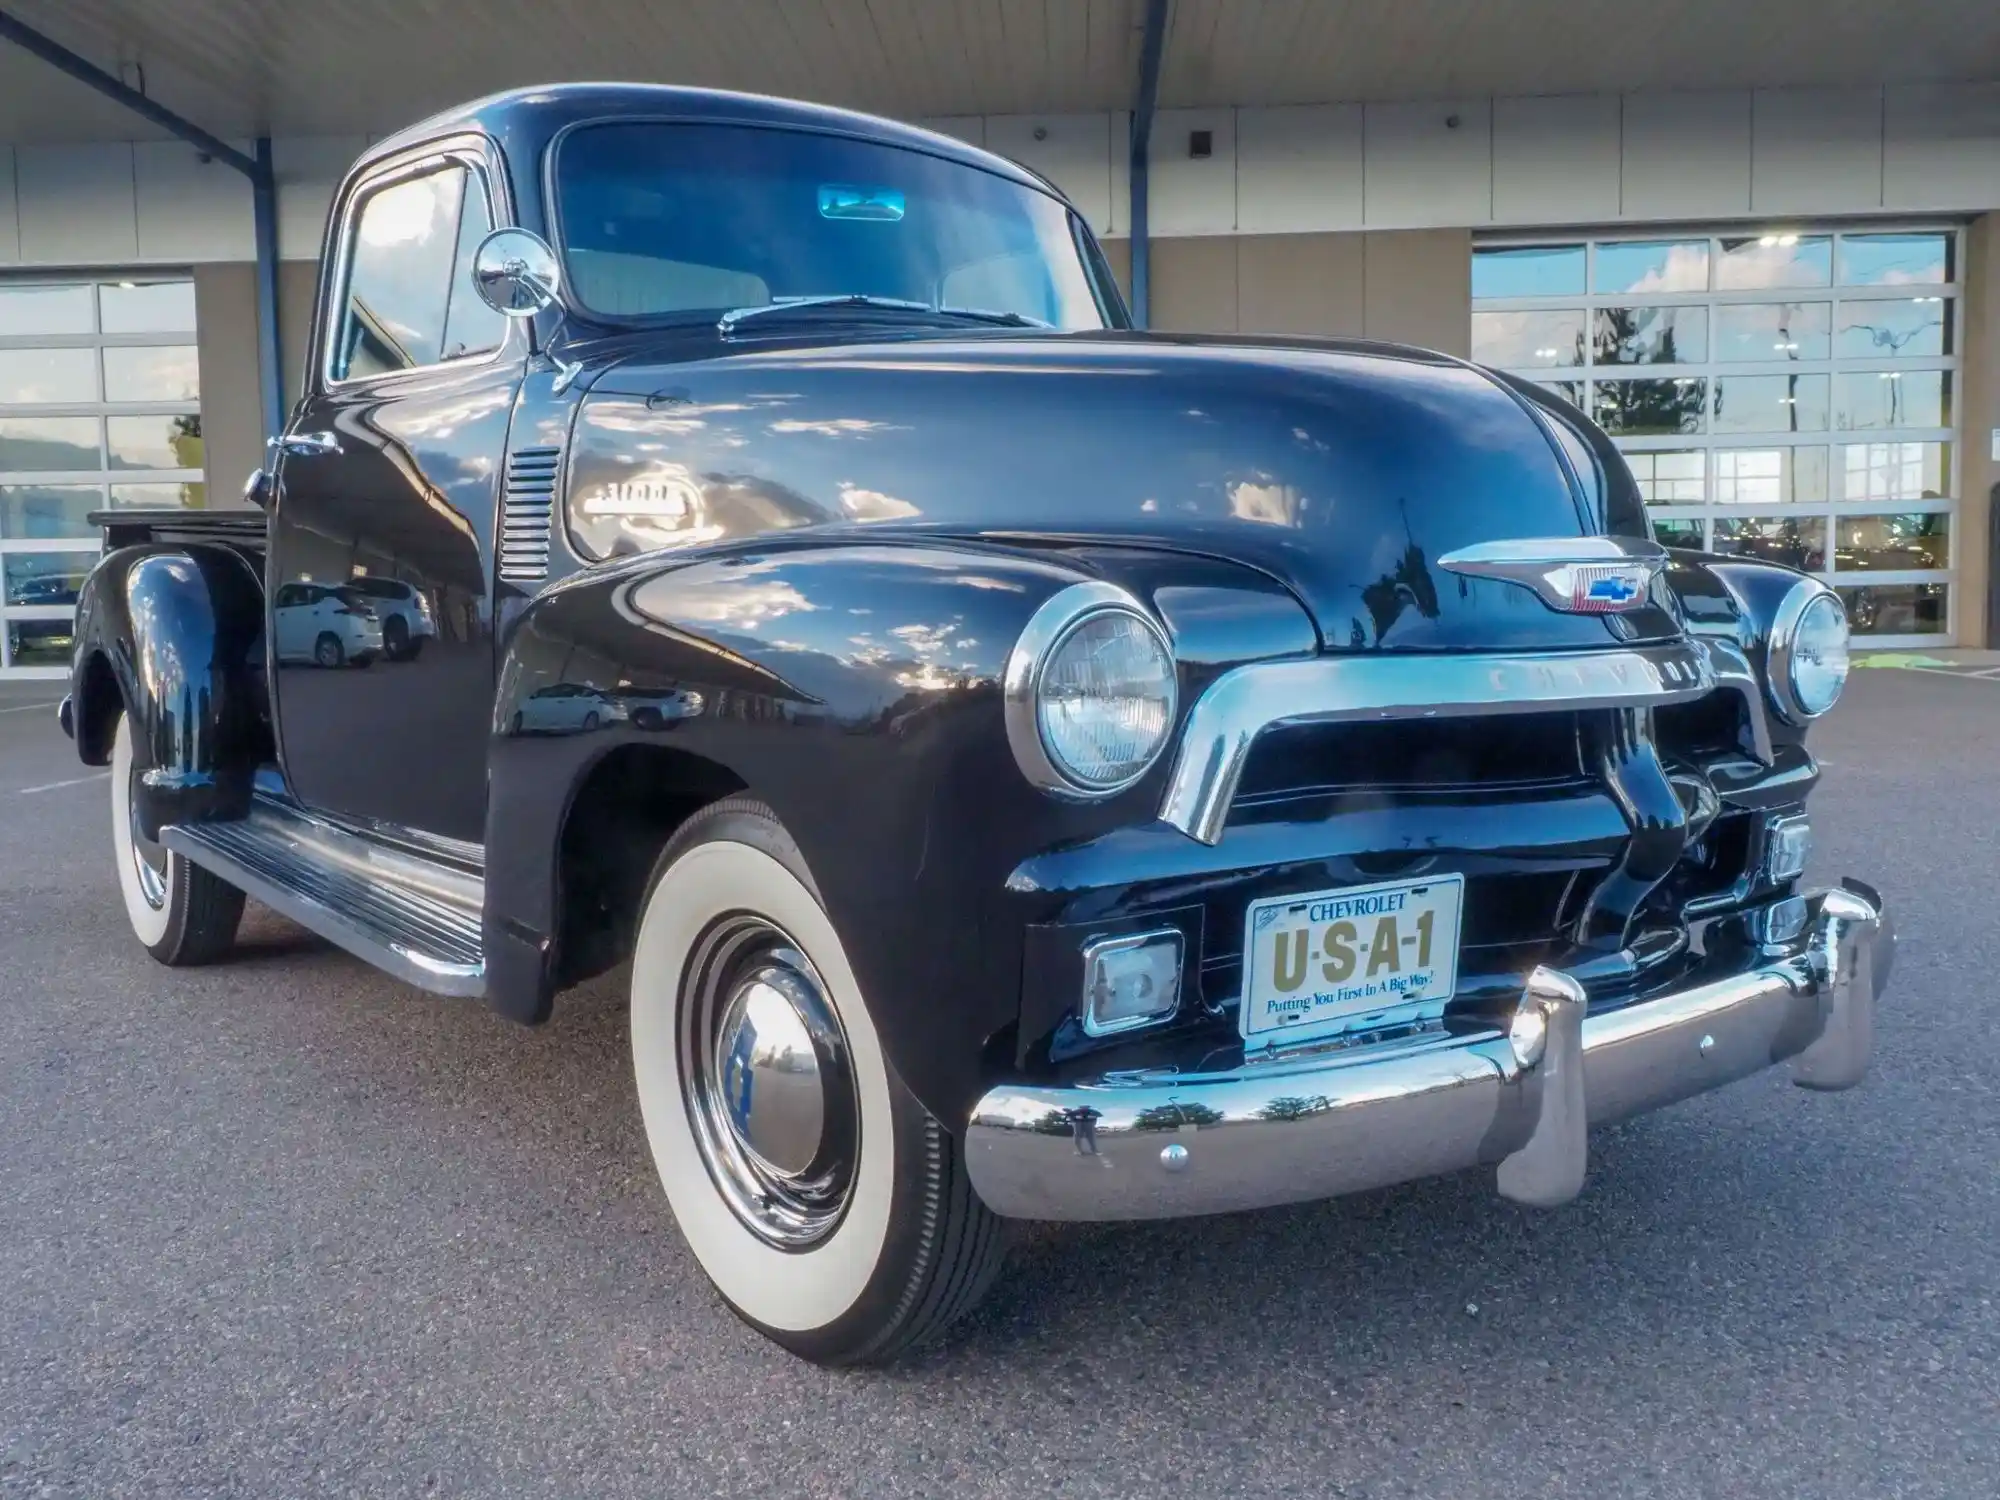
{"x": 516, "y": 272}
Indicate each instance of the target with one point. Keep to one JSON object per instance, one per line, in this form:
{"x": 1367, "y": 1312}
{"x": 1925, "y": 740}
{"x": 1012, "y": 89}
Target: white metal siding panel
{"x": 191, "y": 210}
{"x": 308, "y": 169}
{"x": 1555, "y": 159}
{"x": 1816, "y": 150}
{"x": 1298, "y": 168}
{"x": 1189, "y": 196}
{"x": 1686, "y": 155}
{"x": 1422, "y": 170}
{"x": 1074, "y": 152}
{"x": 10, "y": 218}
{"x": 76, "y": 204}
{"x": 1941, "y": 146}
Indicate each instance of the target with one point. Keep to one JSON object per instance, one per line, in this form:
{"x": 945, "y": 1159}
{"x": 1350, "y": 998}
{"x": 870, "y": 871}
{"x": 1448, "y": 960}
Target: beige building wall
{"x": 232, "y": 413}
{"x": 1971, "y": 547}
{"x": 1405, "y": 286}
{"x": 232, "y": 420}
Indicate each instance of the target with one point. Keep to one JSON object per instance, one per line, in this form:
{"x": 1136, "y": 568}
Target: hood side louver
{"x": 526, "y": 514}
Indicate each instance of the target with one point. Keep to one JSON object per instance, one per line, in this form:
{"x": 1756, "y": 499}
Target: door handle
{"x": 308, "y": 444}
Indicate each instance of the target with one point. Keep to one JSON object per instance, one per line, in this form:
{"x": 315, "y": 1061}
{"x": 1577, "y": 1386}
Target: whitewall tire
{"x": 182, "y": 913}
{"x": 829, "y": 1209}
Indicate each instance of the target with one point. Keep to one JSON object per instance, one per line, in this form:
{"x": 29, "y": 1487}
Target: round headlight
{"x": 1090, "y": 693}
{"x": 1808, "y": 664}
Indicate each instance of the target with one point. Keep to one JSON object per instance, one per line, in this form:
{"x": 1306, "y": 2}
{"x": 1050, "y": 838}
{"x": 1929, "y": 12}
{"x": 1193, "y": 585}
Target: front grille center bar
{"x": 1246, "y": 701}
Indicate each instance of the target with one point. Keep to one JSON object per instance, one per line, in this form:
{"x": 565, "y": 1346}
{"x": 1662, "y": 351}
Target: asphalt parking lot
{"x": 284, "y": 1227}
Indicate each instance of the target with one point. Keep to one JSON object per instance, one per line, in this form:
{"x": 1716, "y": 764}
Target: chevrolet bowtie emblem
{"x": 1584, "y": 575}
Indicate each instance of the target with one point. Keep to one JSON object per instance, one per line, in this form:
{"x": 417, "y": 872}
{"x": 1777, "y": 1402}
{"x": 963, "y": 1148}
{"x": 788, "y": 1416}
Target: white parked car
{"x": 565, "y": 708}
{"x": 405, "y": 612}
{"x": 333, "y": 626}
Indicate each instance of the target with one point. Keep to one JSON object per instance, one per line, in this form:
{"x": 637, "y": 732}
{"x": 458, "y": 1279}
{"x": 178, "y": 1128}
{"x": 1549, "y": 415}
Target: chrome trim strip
{"x": 1245, "y": 701}
{"x": 1021, "y": 684}
{"x": 1519, "y": 1098}
{"x": 1733, "y": 671}
{"x": 1561, "y": 569}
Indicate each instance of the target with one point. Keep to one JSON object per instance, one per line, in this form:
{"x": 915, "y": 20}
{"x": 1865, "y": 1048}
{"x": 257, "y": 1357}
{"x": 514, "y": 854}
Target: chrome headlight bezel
{"x": 1806, "y": 594}
{"x": 1047, "y": 631}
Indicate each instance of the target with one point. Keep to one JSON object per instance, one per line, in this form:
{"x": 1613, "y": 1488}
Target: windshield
{"x": 662, "y": 219}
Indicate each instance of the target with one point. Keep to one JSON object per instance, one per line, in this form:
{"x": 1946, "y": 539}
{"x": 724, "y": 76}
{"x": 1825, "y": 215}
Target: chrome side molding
{"x": 1578, "y": 575}
{"x": 1246, "y": 701}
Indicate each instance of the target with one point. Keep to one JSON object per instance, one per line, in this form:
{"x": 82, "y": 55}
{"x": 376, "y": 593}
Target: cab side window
{"x": 470, "y": 326}
{"x": 408, "y": 262}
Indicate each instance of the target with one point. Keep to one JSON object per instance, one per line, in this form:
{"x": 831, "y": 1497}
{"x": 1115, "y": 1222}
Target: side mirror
{"x": 516, "y": 273}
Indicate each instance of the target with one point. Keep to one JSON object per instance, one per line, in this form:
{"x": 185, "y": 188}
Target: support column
{"x": 1975, "y": 542}
{"x": 1151, "y": 49}
{"x": 270, "y": 368}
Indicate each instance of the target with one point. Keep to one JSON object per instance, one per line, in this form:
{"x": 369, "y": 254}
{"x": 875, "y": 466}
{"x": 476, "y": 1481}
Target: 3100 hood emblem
{"x": 1582, "y": 575}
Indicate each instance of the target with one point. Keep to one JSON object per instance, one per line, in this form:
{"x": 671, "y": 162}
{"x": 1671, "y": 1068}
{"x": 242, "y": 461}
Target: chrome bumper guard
{"x": 1520, "y": 1098}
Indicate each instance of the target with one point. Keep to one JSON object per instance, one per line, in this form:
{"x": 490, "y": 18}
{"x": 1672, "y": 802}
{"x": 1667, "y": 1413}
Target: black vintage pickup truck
{"x": 1030, "y": 768}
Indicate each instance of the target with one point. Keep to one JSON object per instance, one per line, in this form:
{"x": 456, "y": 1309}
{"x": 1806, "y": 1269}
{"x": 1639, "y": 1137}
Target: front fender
{"x": 172, "y": 635}
{"x": 1737, "y": 599}
{"x": 855, "y": 688}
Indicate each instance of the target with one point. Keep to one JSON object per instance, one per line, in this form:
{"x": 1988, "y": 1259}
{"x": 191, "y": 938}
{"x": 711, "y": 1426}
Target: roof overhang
{"x": 345, "y": 67}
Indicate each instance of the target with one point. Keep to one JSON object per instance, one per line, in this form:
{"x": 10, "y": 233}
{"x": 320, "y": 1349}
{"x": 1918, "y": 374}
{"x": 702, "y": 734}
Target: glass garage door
{"x": 99, "y": 406}
{"x": 1783, "y": 394}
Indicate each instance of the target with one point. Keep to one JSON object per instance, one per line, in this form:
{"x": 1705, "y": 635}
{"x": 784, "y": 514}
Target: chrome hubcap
{"x": 149, "y": 857}
{"x": 768, "y": 1082}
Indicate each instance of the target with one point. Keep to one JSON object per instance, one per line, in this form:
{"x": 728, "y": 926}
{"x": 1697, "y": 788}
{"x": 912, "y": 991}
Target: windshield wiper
{"x": 984, "y": 315}
{"x": 728, "y": 322}
{"x": 737, "y": 315}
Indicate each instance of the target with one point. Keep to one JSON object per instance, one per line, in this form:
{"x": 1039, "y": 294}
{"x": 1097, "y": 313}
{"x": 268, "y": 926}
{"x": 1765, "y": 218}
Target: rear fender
{"x": 173, "y": 636}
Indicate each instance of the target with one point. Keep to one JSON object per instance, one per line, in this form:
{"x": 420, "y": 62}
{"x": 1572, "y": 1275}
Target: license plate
{"x": 1326, "y": 962}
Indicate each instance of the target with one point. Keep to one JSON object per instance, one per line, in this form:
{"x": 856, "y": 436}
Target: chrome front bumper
{"x": 1520, "y": 1098}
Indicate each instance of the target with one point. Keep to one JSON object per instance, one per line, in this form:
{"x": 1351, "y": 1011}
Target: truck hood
{"x": 1342, "y": 470}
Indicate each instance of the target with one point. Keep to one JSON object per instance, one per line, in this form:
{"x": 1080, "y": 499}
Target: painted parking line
{"x": 56, "y": 786}
{"x": 1935, "y": 666}
{"x": 29, "y": 708}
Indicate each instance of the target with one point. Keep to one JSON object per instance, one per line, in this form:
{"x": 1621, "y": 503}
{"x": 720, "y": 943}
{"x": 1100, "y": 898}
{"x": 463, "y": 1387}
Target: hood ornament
{"x": 1578, "y": 575}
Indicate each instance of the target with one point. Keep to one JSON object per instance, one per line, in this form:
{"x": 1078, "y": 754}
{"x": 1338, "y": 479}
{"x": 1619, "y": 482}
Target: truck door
{"x": 390, "y": 471}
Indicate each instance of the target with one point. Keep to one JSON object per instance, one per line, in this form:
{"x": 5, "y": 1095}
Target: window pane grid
{"x": 99, "y": 407}
{"x": 1790, "y": 394}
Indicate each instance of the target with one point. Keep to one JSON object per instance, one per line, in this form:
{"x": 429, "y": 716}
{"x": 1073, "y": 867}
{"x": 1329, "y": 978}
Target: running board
{"x": 416, "y": 918}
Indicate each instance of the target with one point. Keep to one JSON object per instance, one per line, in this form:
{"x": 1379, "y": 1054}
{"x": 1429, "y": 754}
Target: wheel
{"x": 590, "y": 722}
{"x": 328, "y": 651}
{"x": 183, "y": 914}
{"x": 515, "y": 722}
{"x": 396, "y": 638}
{"x": 828, "y": 1207}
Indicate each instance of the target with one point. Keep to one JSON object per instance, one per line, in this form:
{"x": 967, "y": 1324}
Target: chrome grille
{"x": 526, "y": 514}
